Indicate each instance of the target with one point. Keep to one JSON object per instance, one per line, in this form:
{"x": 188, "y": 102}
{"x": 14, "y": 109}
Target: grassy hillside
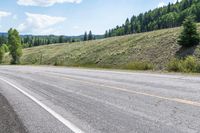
{"x": 157, "y": 48}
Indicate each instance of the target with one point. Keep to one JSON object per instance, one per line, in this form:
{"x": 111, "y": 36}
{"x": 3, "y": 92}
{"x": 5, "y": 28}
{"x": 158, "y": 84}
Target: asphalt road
{"x": 67, "y": 100}
{"x": 9, "y": 121}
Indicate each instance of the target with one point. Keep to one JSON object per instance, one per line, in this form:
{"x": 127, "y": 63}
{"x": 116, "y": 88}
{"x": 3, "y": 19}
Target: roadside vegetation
{"x": 188, "y": 38}
{"x": 13, "y": 47}
{"x": 139, "y": 65}
{"x": 2, "y": 52}
{"x": 3, "y": 49}
{"x": 187, "y": 65}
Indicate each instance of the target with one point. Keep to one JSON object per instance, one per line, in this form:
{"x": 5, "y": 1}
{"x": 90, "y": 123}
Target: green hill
{"x": 157, "y": 48}
{"x": 164, "y": 17}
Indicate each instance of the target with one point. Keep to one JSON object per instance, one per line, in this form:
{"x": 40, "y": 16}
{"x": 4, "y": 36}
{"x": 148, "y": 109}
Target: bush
{"x": 175, "y": 66}
{"x": 187, "y": 65}
{"x": 137, "y": 65}
{"x": 5, "y": 47}
{"x": 2, "y": 52}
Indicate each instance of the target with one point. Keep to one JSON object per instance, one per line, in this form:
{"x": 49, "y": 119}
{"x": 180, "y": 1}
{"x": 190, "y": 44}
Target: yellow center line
{"x": 178, "y": 100}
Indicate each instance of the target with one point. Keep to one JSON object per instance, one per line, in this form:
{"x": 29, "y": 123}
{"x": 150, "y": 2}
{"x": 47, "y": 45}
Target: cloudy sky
{"x": 69, "y": 17}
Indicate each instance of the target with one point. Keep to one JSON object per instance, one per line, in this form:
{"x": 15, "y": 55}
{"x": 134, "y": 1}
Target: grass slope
{"x": 157, "y": 47}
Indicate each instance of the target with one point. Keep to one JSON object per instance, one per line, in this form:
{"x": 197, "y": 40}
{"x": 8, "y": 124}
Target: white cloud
{"x": 40, "y": 24}
{"x": 4, "y": 14}
{"x": 161, "y": 4}
{"x": 45, "y": 3}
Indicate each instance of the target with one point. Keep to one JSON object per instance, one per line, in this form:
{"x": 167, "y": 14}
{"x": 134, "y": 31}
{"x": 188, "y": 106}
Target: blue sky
{"x": 69, "y": 17}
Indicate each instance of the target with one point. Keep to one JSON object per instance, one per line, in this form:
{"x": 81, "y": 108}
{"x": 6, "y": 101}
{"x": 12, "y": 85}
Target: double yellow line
{"x": 178, "y": 100}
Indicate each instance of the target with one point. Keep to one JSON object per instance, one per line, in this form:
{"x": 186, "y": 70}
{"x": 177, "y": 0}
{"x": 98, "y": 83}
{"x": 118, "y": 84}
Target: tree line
{"x": 31, "y": 40}
{"x": 168, "y": 16}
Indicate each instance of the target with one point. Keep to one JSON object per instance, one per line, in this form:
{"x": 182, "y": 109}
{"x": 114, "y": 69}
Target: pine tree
{"x": 189, "y": 36}
{"x": 90, "y": 36}
{"x": 126, "y": 26}
{"x": 109, "y": 33}
{"x": 61, "y": 39}
{"x": 85, "y": 37}
{"x": 106, "y": 34}
{"x": 169, "y": 8}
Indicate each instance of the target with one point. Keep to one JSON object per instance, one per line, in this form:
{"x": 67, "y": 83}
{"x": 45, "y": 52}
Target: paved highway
{"x": 70, "y": 100}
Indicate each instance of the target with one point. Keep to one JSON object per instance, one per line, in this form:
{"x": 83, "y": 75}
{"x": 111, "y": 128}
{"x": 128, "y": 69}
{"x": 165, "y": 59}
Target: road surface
{"x": 69, "y": 100}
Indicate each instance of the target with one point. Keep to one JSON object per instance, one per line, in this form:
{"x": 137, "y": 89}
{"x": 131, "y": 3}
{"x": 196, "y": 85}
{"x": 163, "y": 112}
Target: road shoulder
{"x": 9, "y": 122}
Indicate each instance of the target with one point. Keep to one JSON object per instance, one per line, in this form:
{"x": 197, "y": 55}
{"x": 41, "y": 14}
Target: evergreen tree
{"x": 90, "y": 36}
{"x": 85, "y": 37}
{"x": 189, "y": 36}
{"x": 14, "y": 46}
{"x": 106, "y": 34}
{"x": 48, "y": 41}
{"x": 169, "y": 8}
{"x": 109, "y": 33}
{"x": 126, "y": 26}
{"x": 73, "y": 40}
{"x": 61, "y": 39}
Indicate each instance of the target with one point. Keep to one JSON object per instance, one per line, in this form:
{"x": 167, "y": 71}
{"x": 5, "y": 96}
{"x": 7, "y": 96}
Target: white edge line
{"x": 67, "y": 123}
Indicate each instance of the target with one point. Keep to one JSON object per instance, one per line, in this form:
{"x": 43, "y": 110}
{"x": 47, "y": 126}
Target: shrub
{"x": 138, "y": 65}
{"x": 5, "y": 47}
{"x": 190, "y": 64}
{"x": 175, "y": 66}
{"x": 187, "y": 65}
{"x": 2, "y": 52}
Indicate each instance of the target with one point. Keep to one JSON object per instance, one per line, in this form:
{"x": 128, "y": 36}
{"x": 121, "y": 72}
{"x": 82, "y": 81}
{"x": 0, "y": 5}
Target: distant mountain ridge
{"x": 3, "y": 33}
